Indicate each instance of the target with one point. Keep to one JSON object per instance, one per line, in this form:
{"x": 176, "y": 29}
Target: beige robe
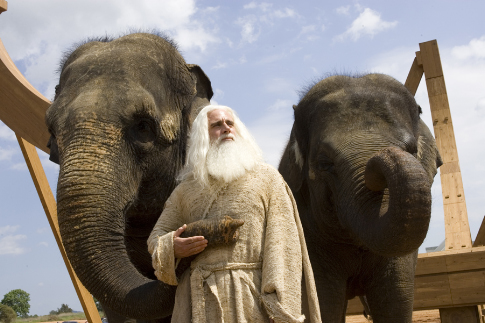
{"x": 258, "y": 277}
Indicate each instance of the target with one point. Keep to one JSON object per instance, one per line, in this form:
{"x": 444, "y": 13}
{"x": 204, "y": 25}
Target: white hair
{"x": 199, "y": 144}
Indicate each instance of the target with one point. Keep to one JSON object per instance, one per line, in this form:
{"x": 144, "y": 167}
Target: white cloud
{"x": 264, "y": 6}
{"x": 6, "y": 133}
{"x": 39, "y": 50}
{"x": 196, "y": 37}
{"x": 280, "y": 105}
{"x": 43, "y": 230}
{"x": 218, "y": 96}
{"x": 344, "y": 10}
{"x": 474, "y": 49}
{"x": 368, "y": 23}
{"x": 272, "y": 130}
{"x": 19, "y": 166}
{"x": 43, "y": 243}
{"x": 8, "y": 229}
{"x": 251, "y": 25}
{"x": 280, "y": 85}
{"x": 285, "y": 13}
{"x": 307, "y": 29}
{"x": 7, "y": 153}
{"x": 9, "y": 244}
{"x": 219, "y": 65}
{"x": 249, "y": 30}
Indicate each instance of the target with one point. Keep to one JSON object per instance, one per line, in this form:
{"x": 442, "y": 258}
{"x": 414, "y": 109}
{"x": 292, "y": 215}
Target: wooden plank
{"x": 432, "y": 291}
{"x": 414, "y": 77}
{"x": 457, "y": 229}
{"x": 22, "y": 107}
{"x": 467, "y": 314}
{"x": 3, "y": 6}
{"x": 480, "y": 239}
{"x": 431, "y": 61}
{"x": 465, "y": 261}
{"x": 431, "y": 265}
{"x": 50, "y": 208}
{"x": 445, "y": 279}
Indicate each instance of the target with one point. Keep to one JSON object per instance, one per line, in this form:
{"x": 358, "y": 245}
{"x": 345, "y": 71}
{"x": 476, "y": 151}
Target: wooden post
{"x": 3, "y": 6}
{"x": 457, "y": 229}
{"x": 50, "y": 208}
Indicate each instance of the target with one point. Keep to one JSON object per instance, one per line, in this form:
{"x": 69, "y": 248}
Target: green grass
{"x": 58, "y": 318}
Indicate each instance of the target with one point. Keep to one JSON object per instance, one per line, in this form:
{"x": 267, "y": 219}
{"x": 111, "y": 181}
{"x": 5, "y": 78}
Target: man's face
{"x": 221, "y": 124}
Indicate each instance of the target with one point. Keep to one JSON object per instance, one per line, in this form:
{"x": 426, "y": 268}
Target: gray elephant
{"x": 119, "y": 126}
{"x": 360, "y": 163}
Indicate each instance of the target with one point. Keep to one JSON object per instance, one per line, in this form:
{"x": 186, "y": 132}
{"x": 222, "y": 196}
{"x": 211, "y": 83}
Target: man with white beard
{"x": 265, "y": 276}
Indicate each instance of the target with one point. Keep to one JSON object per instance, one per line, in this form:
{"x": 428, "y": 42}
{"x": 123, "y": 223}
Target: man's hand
{"x": 186, "y": 247}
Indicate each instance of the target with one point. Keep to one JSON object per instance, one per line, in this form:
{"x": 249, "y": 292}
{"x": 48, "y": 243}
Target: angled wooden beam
{"x": 414, "y": 76}
{"x": 3, "y": 6}
{"x": 50, "y": 208}
{"x": 457, "y": 228}
{"x": 480, "y": 239}
{"x": 22, "y": 107}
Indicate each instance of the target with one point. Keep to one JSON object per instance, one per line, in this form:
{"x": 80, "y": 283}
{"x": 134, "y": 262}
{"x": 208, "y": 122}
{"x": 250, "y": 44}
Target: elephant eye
{"x": 325, "y": 165}
{"x": 143, "y": 132}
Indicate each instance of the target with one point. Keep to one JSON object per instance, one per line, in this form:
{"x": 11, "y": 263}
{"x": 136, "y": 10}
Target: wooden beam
{"x": 414, "y": 76}
{"x": 22, "y": 107}
{"x": 467, "y": 314}
{"x": 3, "y": 6}
{"x": 50, "y": 208}
{"x": 445, "y": 279}
{"x": 457, "y": 229}
{"x": 480, "y": 239}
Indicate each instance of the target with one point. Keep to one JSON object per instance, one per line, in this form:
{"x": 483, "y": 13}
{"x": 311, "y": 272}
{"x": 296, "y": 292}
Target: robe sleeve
{"x": 160, "y": 242}
{"x": 282, "y": 258}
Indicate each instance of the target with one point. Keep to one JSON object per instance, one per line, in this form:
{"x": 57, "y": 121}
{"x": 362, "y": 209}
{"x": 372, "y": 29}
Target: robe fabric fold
{"x": 257, "y": 278}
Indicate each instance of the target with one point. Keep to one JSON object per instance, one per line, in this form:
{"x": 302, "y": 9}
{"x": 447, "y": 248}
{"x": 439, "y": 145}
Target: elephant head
{"x": 360, "y": 163}
{"x": 119, "y": 126}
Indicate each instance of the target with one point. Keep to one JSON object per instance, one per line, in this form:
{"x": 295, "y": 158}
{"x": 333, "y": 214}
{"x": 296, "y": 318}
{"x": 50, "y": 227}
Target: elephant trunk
{"x": 91, "y": 205}
{"x": 396, "y": 223}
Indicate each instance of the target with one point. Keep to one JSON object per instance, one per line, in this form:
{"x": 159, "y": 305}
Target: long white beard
{"x": 229, "y": 160}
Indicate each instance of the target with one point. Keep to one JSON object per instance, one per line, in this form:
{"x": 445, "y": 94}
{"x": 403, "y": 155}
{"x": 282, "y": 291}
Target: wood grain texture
{"x": 457, "y": 228}
{"x": 22, "y": 107}
{"x": 3, "y": 6}
{"x": 445, "y": 279}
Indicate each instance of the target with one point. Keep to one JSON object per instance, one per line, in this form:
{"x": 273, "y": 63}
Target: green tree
{"x": 7, "y": 314}
{"x": 18, "y": 300}
{"x": 64, "y": 309}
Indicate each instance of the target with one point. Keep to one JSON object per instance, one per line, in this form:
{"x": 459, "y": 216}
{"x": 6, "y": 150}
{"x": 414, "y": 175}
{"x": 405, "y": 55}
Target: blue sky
{"x": 257, "y": 55}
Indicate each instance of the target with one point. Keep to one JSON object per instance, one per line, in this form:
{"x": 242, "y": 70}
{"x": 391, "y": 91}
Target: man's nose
{"x": 225, "y": 128}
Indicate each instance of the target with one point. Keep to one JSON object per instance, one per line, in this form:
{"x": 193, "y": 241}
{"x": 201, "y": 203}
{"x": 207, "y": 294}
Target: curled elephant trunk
{"x": 91, "y": 206}
{"x": 395, "y": 224}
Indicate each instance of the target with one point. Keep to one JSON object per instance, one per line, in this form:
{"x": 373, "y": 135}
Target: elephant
{"x": 119, "y": 124}
{"x": 360, "y": 163}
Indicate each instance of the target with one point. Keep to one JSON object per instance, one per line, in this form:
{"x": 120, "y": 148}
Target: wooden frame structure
{"x": 454, "y": 278}
{"x": 447, "y": 279}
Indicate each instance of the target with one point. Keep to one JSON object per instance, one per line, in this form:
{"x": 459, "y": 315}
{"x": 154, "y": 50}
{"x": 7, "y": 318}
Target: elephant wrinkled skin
{"x": 360, "y": 163}
{"x": 119, "y": 126}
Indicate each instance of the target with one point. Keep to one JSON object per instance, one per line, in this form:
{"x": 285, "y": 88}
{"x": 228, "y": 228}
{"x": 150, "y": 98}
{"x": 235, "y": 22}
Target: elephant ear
{"x": 428, "y": 154}
{"x": 203, "y": 88}
{"x": 292, "y": 164}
